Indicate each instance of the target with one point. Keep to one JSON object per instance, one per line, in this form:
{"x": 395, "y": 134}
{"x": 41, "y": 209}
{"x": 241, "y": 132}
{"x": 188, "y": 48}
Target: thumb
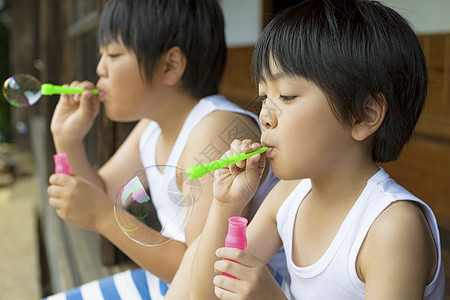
{"x": 255, "y": 167}
{"x": 88, "y": 104}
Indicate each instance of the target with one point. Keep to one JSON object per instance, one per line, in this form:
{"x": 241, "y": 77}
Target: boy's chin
{"x": 119, "y": 117}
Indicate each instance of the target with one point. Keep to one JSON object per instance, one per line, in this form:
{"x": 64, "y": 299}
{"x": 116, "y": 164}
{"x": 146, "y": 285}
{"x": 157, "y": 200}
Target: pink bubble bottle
{"x": 62, "y": 164}
{"x": 236, "y": 237}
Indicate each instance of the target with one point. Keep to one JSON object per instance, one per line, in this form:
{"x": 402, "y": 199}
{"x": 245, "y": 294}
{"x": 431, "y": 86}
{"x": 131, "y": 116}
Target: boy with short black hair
{"x": 343, "y": 83}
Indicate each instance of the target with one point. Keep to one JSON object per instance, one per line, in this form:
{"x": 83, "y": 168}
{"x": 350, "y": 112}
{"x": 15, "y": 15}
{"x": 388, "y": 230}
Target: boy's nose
{"x": 268, "y": 116}
{"x": 101, "y": 70}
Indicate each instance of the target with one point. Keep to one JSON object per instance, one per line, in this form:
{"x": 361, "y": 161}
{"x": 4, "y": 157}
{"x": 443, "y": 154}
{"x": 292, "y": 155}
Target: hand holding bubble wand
{"x": 136, "y": 213}
{"x": 25, "y": 90}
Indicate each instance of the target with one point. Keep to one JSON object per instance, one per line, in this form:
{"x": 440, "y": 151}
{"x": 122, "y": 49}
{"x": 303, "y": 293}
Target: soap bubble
{"x": 22, "y": 90}
{"x": 150, "y": 207}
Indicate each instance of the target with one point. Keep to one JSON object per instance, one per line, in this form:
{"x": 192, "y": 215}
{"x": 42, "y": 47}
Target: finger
{"x": 64, "y": 98}
{"x": 255, "y": 146}
{"x": 60, "y": 179}
{"x": 246, "y": 145}
{"x": 55, "y": 202}
{"x": 87, "y": 94}
{"x": 224, "y": 294}
{"x": 230, "y": 267}
{"x": 256, "y": 165}
{"x": 57, "y": 191}
{"x": 240, "y": 272}
{"x": 75, "y": 84}
{"x": 87, "y": 85}
{"x": 235, "y": 147}
{"x": 237, "y": 255}
{"x": 89, "y": 103}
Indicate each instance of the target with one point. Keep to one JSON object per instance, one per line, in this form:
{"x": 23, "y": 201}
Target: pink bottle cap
{"x": 62, "y": 164}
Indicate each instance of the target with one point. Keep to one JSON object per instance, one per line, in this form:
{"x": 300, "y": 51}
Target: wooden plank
{"x": 237, "y": 82}
{"x": 446, "y": 79}
{"x": 61, "y": 275}
{"x": 435, "y": 126}
{"x": 435, "y": 120}
{"x": 423, "y": 169}
{"x": 84, "y": 25}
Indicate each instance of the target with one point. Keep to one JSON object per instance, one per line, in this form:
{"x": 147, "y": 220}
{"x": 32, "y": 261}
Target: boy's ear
{"x": 174, "y": 64}
{"x": 375, "y": 113}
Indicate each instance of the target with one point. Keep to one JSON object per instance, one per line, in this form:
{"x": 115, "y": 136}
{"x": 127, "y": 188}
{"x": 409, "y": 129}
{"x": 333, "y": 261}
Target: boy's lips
{"x": 101, "y": 95}
{"x": 270, "y": 150}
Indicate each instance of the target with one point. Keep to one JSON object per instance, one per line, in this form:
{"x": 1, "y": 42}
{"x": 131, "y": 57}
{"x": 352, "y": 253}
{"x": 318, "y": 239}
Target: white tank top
{"x": 168, "y": 212}
{"x": 334, "y": 275}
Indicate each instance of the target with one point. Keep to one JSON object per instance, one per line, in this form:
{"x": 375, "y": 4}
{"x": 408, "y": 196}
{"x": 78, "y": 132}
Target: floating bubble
{"x": 22, "y": 90}
{"x": 25, "y": 90}
{"x": 155, "y": 204}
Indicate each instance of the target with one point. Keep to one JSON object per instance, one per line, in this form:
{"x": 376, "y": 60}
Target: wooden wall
{"x": 237, "y": 84}
{"x": 424, "y": 165}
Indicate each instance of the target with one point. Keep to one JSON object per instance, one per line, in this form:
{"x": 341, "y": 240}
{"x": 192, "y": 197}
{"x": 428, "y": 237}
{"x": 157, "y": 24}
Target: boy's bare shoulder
{"x": 400, "y": 221}
{"x": 230, "y": 125}
{"x": 399, "y": 244}
{"x": 212, "y": 136}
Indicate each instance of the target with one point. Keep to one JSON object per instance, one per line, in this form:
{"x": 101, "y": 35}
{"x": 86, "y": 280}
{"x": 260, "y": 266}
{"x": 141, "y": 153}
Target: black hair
{"x": 355, "y": 51}
{"x": 150, "y": 28}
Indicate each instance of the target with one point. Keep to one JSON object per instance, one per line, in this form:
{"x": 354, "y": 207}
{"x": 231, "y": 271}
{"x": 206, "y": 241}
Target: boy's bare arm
{"x": 125, "y": 161}
{"x": 398, "y": 258}
{"x": 263, "y": 238}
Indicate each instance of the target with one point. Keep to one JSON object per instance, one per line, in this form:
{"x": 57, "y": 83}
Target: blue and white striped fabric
{"x": 129, "y": 285}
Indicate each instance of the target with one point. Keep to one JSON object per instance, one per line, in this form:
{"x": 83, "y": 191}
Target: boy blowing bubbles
{"x": 342, "y": 84}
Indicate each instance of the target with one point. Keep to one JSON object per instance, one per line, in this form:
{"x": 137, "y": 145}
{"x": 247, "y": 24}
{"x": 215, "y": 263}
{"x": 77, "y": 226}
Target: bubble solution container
{"x": 236, "y": 237}
{"x": 62, "y": 164}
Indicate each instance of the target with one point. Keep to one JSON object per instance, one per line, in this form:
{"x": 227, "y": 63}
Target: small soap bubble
{"x": 155, "y": 204}
{"x": 22, "y": 90}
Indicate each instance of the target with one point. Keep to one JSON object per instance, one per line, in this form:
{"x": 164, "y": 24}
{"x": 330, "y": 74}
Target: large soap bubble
{"x": 22, "y": 90}
{"x": 155, "y": 204}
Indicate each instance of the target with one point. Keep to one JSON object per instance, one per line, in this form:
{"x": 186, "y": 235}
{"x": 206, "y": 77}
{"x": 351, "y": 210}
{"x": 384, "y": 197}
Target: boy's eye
{"x": 287, "y": 98}
{"x": 113, "y": 55}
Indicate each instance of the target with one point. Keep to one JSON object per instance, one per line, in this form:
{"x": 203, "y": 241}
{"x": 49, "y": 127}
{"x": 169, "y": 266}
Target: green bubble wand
{"x": 197, "y": 171}
{"x": 25, "y": 90}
